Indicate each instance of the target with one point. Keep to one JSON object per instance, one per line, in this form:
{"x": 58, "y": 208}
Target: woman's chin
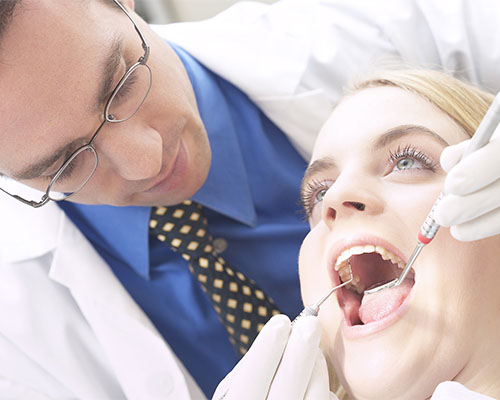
{"x": 365, "y": 382}
{"x": 380, "y": 366}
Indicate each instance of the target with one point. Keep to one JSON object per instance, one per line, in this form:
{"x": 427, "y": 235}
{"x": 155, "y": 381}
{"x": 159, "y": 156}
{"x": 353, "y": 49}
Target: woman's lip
{"x": 172, "y": 170}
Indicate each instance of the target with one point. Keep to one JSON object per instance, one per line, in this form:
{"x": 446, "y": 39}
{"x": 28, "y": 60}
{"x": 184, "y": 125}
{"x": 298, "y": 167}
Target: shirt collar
{"x": 226, "y": 189}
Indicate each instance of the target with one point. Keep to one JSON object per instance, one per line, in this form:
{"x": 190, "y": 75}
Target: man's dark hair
{"x": 6, "y": 12}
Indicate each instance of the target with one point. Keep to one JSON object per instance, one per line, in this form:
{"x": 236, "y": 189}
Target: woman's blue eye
{"x": 410, "y": 158}
{"x": 313, "y": 193}
{"x": 320, "y": 195}
{"x": 405, "y": 163}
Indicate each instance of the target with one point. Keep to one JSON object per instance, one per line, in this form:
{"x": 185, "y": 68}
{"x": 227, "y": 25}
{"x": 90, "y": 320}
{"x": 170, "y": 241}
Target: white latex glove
{"x": 456, "y": 391}
{"x": 282, "y": 363}
{"x": 471, "y": 206}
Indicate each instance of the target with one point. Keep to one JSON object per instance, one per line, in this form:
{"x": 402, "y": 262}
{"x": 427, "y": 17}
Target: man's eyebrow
{"x": 109, "y": 68}
{"x": 402, "y": 130}
{"x": 35, "y": 170}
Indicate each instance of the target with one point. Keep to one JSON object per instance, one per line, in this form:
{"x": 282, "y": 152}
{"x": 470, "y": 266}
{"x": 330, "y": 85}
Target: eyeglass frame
{"x": 107, "y": 118}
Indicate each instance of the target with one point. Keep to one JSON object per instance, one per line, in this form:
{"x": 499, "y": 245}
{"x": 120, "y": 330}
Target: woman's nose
{"x": 132, "y": 150}
{"x": 349, "y": 197}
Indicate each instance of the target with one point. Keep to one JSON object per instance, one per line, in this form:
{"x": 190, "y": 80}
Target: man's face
{"x": 55, "y": 56}
{"x": 380, "y": 149}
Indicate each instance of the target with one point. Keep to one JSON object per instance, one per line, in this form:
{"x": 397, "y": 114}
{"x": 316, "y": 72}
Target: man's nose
{"x": 349, "y": 196}
{"x": 133, "y": 150}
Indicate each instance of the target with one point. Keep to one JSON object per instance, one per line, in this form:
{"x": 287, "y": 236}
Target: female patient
{"x": 374, "y": 176}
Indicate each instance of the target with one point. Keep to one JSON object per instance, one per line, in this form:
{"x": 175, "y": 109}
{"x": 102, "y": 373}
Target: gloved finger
{"x": 297, "y": 364}
{"x": 223, "y": 387}
{"x": 479, "y": 228}
{"x": 252, "y": 376}
{"x": 475, "y": 171}
{"x": 455, "y": 210}
{"x": 454, "y": 390}
{"x": 319, "y": 384}
{"x": 451, "y": 155}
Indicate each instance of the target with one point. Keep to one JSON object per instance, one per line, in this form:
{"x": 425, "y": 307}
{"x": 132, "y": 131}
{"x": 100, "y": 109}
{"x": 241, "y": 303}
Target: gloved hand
{"x": 282, "y": 363}
{"x": 472, "y": 187}
{"x": 454, "y": 390}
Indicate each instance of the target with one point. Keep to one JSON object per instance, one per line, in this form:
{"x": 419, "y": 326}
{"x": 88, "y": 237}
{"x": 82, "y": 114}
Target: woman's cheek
{"x": 413, "y": 203}
{"x": 312, "y": 272}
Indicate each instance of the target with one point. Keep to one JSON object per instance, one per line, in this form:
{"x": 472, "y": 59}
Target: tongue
{"x": 380, "y": 304}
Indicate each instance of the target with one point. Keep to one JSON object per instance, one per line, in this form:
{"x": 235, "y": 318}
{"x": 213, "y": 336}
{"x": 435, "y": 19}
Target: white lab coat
{"x": 68, "y": 329}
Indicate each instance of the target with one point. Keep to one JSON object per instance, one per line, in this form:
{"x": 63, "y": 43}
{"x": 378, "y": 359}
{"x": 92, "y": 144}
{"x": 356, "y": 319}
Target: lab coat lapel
{"x": 142, "y": 361}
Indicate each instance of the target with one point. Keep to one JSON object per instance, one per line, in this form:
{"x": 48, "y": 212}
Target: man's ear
{"x": 128, "y": 3}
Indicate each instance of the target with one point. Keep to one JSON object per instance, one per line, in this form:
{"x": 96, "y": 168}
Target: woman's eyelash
{"x": 308, "y": 193}
{"x": 412, "y": 152}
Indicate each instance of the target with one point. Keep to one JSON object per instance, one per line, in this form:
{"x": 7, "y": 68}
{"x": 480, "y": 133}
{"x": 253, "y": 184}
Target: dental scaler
{"x": 429, "y": 228}
{"x": 314, "y": 308}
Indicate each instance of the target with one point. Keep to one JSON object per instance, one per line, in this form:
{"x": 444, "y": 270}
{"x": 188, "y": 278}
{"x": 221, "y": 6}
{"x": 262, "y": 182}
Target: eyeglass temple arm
{"x": 32, "y": 203}
{"x": 145, "y": 44}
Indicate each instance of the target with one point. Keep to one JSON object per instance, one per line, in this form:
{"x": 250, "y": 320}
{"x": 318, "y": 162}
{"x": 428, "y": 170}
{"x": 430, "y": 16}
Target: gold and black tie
{"x": 242, "y": 307}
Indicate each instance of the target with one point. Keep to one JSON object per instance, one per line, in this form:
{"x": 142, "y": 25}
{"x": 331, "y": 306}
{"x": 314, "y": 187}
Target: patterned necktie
{"x": 242, "y": 307}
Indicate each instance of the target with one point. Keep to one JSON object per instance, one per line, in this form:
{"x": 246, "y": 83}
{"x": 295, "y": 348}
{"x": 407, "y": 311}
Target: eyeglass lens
{"x": 74, "y": 175}
{"x": 124, "y": 103}
{"x": 131, "y": 93}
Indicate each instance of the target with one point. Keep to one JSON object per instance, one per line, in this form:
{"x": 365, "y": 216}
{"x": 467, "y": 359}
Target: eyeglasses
{"x": 127, "y": 97}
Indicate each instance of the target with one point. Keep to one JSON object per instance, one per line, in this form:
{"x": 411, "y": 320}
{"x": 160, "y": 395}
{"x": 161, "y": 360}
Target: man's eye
{"x": 67, "y": 172}
{"x": 126, "y": 88}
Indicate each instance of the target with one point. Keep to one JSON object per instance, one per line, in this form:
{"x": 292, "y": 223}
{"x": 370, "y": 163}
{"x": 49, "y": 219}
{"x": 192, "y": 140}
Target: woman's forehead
{"x": 362, "y": 117}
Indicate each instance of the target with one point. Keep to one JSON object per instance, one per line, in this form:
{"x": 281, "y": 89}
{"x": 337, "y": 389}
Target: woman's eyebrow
{"x": 402, "y": 130}
{"x": 322, "y": 164}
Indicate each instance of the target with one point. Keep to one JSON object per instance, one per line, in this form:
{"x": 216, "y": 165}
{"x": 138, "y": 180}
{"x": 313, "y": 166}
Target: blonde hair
{"x": 463, "y": 102}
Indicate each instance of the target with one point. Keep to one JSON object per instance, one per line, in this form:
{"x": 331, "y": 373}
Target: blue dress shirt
{"x": 251, "y": 200}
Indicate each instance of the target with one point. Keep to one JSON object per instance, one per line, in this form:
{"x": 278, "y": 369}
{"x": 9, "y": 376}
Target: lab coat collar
{"x": 27, "y": 232}
{"x": 275, "y": 84}
{"x": 265, "y": 44}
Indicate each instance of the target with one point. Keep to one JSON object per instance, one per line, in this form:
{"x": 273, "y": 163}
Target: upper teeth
{"x": 342, "y": 267}
{"x": 368, "y": 248}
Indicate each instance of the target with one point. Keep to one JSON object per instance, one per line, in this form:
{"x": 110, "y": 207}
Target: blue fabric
{"x": 251, "y": 200}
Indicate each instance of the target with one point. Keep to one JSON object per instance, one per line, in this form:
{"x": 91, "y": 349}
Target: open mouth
{"x": 371, "y": 266}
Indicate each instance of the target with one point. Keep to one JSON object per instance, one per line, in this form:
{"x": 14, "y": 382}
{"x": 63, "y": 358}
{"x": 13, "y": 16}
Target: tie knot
{"x": 183, "y": 227}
